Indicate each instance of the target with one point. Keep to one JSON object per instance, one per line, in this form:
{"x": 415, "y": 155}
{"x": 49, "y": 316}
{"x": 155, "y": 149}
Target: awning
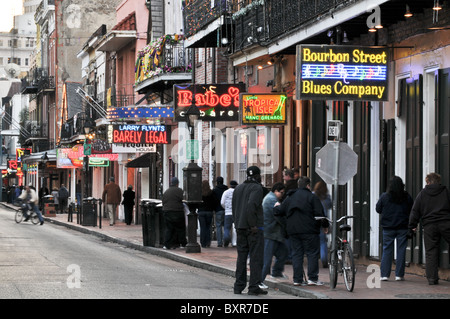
{"x": 141, "y": 161}
{"x": 37, "y": 157}
{"x": 116, "y": 40}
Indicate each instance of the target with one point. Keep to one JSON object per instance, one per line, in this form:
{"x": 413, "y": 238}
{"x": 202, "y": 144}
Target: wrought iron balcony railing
{"x": 38, "y": 81}
{"x": 199, "y": 13}
{"x": 163, "y": 56}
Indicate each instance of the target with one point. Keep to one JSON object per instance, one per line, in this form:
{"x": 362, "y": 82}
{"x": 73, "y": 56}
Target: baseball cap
{"x": 253, "y": 170}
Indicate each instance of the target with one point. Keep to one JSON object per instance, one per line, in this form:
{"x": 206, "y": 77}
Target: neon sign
{"x": 217, "y": 102}
{"x": 140, "y": 134}
{"x": 342, "y": 73}
{"x": 263, "y": 109}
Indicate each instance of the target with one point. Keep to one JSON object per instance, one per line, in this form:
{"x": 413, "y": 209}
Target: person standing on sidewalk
{"x": 128, "y": 204}
{"x": 173, "y": 211}
{"x": 432, "y": 208}
{"x": 111, "y": 197}
{"x": 219, "y": 214}
{"x": 395, "y": 207}
{"x": 205, "y": 214}
{"x": 300, "y": 209}
{"x": 274, "y": 234}
{"x": 226, "y": 203}
{"x": 63, "y": 197}
{"x": 249, "y": 221}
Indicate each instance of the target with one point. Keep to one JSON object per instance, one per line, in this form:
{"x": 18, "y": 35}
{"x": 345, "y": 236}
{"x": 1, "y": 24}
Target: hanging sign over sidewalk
{"x": 263, "y": 109}
{"x": 330, "y": 72}
{"x": 139, "y": 134}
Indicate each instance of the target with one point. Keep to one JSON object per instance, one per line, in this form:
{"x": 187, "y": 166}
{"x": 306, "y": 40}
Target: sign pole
{"x": 333, "y": 270}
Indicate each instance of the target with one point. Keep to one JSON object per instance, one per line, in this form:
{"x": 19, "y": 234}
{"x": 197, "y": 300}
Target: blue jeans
{"x": 36, "y": 210}
{"x": 220, "y": 216}
{"x": 227, "y": 231}
{"x": 280, "y": 251}
{"x": 205, "y": 221}
{"x": 323, "y": 248}
{"x": 309, "y": 245}
{"x": 389, "y": 235}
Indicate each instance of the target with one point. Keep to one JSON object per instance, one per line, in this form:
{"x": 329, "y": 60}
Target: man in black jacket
{"x": 249, "y": 221}
{"x": 173, "y": 211}
{"x": 300, "y": 209}
{"x": 432, "y": 207}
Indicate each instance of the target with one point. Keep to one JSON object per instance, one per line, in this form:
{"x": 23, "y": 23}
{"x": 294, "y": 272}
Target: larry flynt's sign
{"x": 329, "y": 72}
{"x": 216, "y": 102}
{"x": 139, "y": 134}
{"x": 263, "y": 109}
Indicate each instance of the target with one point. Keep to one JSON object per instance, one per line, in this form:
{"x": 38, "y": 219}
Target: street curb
{"x": 283, "y": 287}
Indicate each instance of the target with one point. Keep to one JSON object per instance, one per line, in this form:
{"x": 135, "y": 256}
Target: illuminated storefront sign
{"x": 342, "y": 73}
{"x": 73, "y": 157}
{"x": 217, "y": 102}
{"x": 263, "y": 109}
{"x": 139, "y": 134}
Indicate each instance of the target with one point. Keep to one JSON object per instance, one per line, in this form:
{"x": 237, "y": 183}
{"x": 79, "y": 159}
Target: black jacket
{"x": 209, "y": 202}
{"x": 128, "y": 197}
{"x": 172, "y": 199}
{"x": 218, "y": 191}
{"x": 431, "y": 205}
{"x": 300, "y": 209}
{"x": 247, "y": 205}
{"x": 394, "y": 215}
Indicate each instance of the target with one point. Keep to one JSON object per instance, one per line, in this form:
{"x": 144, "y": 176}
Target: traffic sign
{"x": 326, "y": 162}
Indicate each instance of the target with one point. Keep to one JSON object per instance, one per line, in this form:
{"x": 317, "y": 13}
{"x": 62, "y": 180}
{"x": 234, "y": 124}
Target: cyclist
{"x": 31, "y": 198}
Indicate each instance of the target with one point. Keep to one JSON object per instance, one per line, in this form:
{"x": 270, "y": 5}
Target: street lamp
{"x": 192, "y": 182}
{"x": 44, "y": 158}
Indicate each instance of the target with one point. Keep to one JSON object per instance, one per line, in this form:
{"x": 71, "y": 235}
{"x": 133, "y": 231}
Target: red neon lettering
{"x": 225, "y": 100}
{"x": 200, "y": 100}
{"x": 184, "y": 98}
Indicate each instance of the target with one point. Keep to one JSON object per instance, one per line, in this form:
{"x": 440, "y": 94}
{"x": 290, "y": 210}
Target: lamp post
{"x": 192, "y": 182}
{"x": 88, "y": 125}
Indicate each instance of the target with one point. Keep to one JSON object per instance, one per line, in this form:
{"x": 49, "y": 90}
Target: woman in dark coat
{"x": 395, "y": 207}
{"x": 128, "y": 203}
{"x": 205, "y": 214}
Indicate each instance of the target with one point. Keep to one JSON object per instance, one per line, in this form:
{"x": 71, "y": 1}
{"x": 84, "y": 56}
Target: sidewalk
{"x": 222, "y": 260}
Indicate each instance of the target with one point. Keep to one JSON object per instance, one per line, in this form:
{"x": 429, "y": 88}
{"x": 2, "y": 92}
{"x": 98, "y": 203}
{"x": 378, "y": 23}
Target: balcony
{"x": 265, "y": 21}
{"x": 161, "y": 64}
{"x": 73, "y": 128}
{"x": 38, "y": 81}
{"x": 198, "y": 14}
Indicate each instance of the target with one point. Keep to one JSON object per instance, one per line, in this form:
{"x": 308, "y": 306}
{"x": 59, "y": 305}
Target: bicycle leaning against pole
{"x": 341, "y": 259}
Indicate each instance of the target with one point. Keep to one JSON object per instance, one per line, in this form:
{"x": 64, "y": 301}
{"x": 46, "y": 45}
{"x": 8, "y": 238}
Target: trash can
{"x": 49, "y": 206}
{"x": 89, "y": 212}
{"x": 152, "y": 222}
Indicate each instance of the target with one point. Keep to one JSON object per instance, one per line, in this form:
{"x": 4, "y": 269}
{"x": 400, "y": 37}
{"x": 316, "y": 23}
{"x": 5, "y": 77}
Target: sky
{"x": 8, "y": 9}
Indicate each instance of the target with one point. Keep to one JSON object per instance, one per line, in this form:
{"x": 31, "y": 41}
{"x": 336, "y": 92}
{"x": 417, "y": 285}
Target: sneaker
{"x": 315, "y": 283}
{"x": 300, "y": 283}
{"x": 384, "y": 278}
{"x": 282, "y": 276}
{"x": 263, "y": 286}
{"x": 257, "y": 292}
{"x": 399, "y": 278}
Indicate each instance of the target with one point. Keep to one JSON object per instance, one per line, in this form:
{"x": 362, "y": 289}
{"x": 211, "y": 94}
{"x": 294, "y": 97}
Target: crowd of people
{"x": 278, "y": 226}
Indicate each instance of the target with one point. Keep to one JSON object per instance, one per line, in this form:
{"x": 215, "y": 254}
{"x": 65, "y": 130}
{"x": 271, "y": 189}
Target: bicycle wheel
{"x": 348, "y": 267}
{"x": 19, "y": 216}
{"x": 332, "y": 266}
{"x": 34, "y": 218}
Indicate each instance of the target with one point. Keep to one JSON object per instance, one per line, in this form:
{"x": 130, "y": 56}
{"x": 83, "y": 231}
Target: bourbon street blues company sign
{"x": 330, "y": 72}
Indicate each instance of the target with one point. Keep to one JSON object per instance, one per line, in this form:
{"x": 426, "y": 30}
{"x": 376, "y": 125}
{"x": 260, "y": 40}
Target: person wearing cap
{"x": 249, "y": 221}
{"x": 111, "y": 197}
{"x": 173, "y": 212}
{"x": 226, "y": 202}
{"x": 219, "y": 214}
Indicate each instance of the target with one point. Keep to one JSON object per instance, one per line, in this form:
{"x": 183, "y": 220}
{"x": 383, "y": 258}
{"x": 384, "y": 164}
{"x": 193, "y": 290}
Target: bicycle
{"x": 341, "y": 259}
{"x": 24, "y": 208}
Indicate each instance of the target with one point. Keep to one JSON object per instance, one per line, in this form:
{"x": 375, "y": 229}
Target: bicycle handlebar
{"x": 339, "y": 220}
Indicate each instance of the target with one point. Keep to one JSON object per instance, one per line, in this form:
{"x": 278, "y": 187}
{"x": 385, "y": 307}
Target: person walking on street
{"x": 173, "y": 211}
{"x": 111, "y": 197}
{"x": 205, "y": 214}
{"x": 249, "y": 221}
{"x": 395, "y": 207}
{"x": 128, "y": 204}
{"x": 63, "y": 197}
{"x": 226, "y": 203}
{"x": 300, "y": 209}
{"x": 274, "y": 234}
{"x": 30, "y": 197}
{"x": 219, "y": 214}
{"x": 432, "y": 208}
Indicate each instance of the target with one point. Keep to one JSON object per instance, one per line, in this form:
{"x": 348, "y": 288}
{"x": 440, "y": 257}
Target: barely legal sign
{"x": 139, "y": 134}
{"x": 330, "y": 72}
